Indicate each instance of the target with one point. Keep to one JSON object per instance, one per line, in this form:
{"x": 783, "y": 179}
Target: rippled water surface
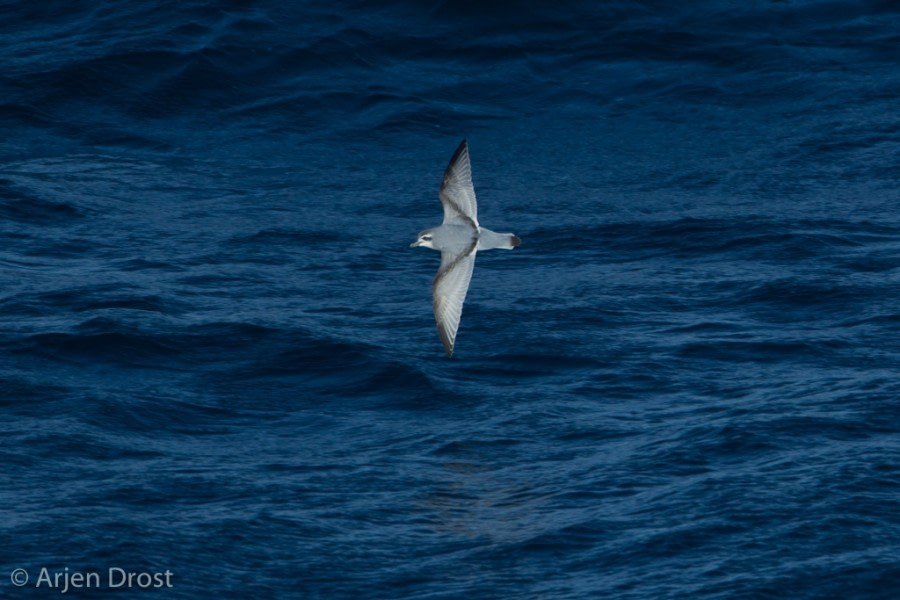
{"x": 219, "y": 356}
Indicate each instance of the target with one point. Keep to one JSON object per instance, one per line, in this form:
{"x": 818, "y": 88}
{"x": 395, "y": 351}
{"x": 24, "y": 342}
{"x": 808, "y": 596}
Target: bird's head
{"x": 424, "y": 239}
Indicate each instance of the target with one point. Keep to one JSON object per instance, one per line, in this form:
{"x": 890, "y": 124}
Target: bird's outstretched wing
{"x": 457, "y": 193}
{"x": 449, "y": 290}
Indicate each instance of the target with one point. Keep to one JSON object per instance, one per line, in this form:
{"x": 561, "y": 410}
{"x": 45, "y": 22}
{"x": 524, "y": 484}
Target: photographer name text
{"x": 66, "y": 580}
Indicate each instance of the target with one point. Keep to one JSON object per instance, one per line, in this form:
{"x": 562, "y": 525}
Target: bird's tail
{"x": 511, "y": 241}
{"x": 488, "y": 240}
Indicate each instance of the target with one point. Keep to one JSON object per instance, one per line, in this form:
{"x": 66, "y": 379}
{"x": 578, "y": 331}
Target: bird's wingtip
{"x": 463, "y": 146}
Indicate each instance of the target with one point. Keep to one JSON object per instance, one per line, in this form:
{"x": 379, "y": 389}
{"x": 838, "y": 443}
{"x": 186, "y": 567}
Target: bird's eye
{"x": 427, "y": 238}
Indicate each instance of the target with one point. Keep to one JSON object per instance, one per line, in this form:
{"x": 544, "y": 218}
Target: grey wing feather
{"x": 457, "y": 192}
{"x": 449, "y": 291}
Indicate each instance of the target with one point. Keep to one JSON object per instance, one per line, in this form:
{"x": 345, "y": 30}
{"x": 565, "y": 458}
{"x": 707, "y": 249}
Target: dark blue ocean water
{"x": 218, "y": 356}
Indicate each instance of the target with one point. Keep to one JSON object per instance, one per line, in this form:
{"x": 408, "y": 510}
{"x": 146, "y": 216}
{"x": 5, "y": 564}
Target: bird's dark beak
{"x": 414, "y": 244}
